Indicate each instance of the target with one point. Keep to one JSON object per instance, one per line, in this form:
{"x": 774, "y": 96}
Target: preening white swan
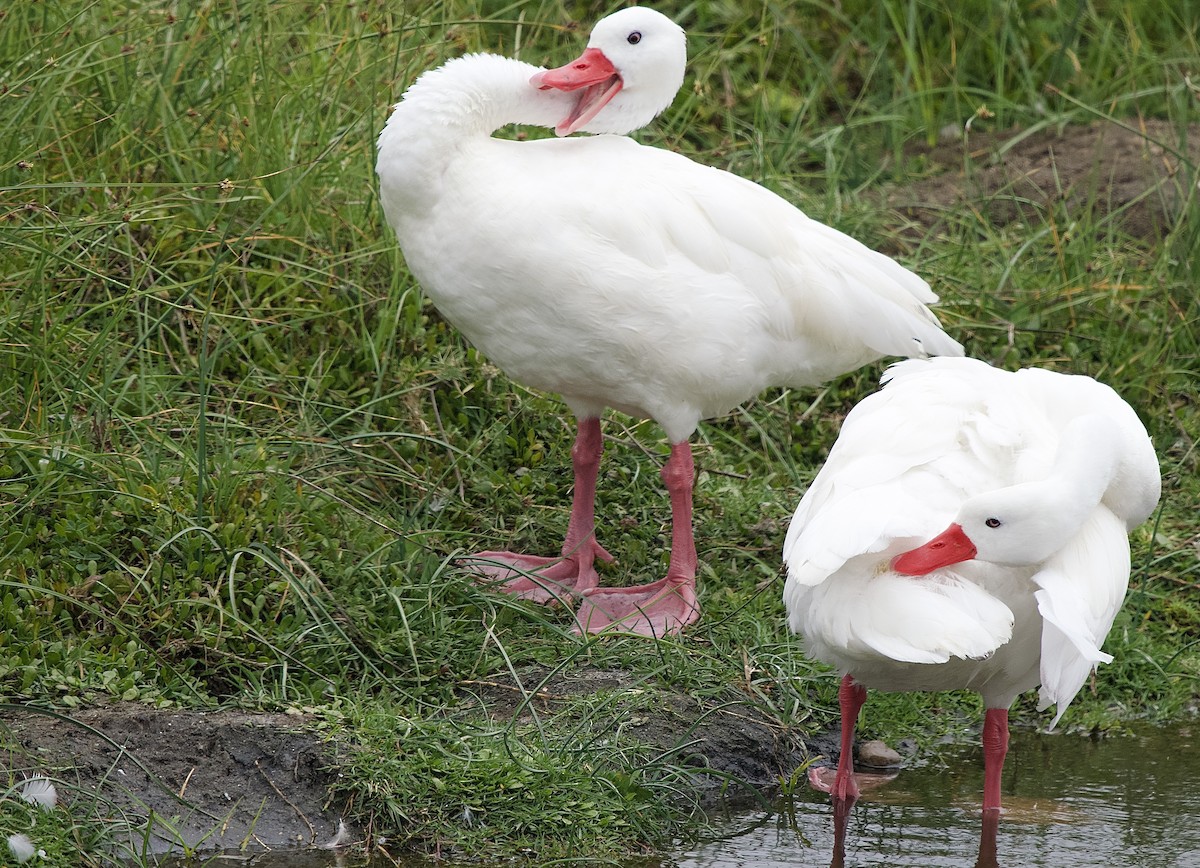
{"x": 624, "y": 276}
{"x": 1035, "y": 477}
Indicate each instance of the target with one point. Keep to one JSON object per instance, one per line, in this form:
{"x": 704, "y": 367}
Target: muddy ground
{"x": 216, "y": 780}
{"x": 223, "y": 779}
{"x": 1129, "y": 176}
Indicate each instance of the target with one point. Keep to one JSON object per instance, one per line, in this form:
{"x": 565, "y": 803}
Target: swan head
{"x": 1016, "y": 526}
{"x": 631, "y": 71}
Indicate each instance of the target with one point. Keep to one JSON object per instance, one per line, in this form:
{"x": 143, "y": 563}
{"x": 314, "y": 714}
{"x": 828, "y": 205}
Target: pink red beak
{"x": 951, "y": 546}
{"x": 593, "y": 75}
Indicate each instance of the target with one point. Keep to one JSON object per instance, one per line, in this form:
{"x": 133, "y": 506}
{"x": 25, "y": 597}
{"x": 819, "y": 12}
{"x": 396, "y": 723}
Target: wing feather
{"x": 822, "y": 280}
{"x": 1080, "y": 590}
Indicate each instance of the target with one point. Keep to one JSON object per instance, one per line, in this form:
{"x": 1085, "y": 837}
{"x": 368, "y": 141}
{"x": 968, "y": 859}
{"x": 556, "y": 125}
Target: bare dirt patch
{"x": 1139, "y": 174}
{"x": 211, "y": 780}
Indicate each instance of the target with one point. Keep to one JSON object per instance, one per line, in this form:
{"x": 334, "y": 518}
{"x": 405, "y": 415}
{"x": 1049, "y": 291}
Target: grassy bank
{"x": 239, "y": 452}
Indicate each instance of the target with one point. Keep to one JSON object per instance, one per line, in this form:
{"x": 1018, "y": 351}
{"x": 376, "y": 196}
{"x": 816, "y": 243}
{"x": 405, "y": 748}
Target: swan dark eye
{"x": 634, "y": 38}
{"x": 993, "y": 522}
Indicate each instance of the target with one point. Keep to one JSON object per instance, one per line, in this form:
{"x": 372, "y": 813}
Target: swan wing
{"x": 874, "y": 615}
{"x": 1080, "y": 591}
{"x": 811, "y": 278}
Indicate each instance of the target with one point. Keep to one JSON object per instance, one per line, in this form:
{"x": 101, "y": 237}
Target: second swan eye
{"x": 993, "y": 522}
{"x": 634, "y": 38}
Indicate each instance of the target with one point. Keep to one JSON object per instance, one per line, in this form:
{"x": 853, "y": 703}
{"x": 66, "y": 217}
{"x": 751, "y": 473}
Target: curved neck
{"x": 451, "y": 108}
{"x": 1089, "y": 456}
{"x": 471, "y": 97}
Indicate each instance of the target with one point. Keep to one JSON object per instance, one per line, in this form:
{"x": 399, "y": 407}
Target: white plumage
{"x": 1040, "y": 476}
{"x": 624, "y": 276}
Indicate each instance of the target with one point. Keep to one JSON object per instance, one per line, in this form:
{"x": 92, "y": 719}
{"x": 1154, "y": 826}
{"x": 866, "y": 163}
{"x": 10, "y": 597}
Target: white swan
{"x": 624, "y": 276}
{"x": 1037, "y": 478}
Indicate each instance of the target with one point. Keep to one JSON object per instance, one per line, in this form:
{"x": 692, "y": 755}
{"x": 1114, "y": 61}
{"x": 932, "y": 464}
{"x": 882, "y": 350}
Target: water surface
{"x": 1070, "y": 802}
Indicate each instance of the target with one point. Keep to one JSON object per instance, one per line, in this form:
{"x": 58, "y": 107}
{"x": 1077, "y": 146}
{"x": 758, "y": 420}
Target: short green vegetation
{"x": 239, "y": 453}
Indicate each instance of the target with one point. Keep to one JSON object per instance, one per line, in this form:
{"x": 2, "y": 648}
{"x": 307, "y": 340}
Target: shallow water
{"x": 1070, "y": 802}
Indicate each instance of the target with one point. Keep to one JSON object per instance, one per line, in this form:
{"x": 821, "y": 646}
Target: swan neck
{"x": 445, "y": 113}
{"x": 1088, "y": 457}
{"x": 1085, "y": 464}
{"x": 471, "y": 97}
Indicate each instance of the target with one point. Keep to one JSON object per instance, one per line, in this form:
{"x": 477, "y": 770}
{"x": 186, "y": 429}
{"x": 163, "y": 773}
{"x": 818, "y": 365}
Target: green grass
{"x": 239, "y": 452}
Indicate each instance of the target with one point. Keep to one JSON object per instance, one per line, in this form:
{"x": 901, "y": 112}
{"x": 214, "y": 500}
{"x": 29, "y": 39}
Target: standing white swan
{"x": 1037, "y": 478}
{"x": 624, "y": 276}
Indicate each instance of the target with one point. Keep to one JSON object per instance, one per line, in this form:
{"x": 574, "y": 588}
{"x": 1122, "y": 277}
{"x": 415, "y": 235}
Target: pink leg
{"x": 668, "y": 605}
{"x": 841, "y": 819}
{"x": 843, "y": 787}
{"x": 987, "y": 840}
{"x": 995, "y": 748}
{"x": 543, "y": 579}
